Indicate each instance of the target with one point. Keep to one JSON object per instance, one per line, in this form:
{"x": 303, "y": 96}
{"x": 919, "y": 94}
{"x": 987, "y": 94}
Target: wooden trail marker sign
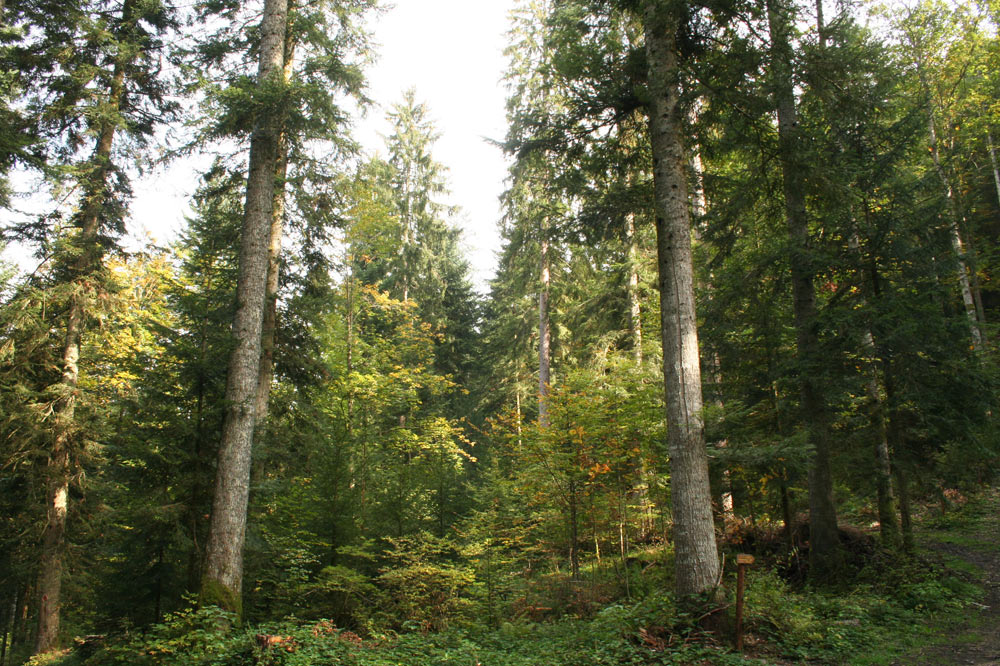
{"x": 742, "y": 562}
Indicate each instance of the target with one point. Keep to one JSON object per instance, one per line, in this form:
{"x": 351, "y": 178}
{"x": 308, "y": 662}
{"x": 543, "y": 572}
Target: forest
{"x": 744, "y": 306}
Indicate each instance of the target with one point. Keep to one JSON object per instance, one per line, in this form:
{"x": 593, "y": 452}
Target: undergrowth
{"x": 870, "y": 619}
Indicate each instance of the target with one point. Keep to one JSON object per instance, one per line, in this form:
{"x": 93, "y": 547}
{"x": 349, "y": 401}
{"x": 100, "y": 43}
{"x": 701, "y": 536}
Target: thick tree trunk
{"x": 269, "y": 325}
{"x": 824, "y": 551}
{"x": 222, "y": 580}
{"x": 694, "y": 530}
{"x": 544, "y": 332}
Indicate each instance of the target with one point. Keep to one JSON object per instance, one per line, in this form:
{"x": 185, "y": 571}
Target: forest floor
{"x": 974, "y": 548}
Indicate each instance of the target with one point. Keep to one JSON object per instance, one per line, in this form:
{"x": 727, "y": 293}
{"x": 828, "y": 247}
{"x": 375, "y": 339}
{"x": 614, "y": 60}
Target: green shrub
{"x": 424, "y": 583}
{"x": 933, "y": 596}
{"x": 773, "y": 610}
{"x": 340, "y": 594}
{"x": 190, "y": 637}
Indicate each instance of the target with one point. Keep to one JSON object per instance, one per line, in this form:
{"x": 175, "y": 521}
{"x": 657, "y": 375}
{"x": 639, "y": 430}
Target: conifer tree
{"x": 222, "y": 579}
{"x": 824, "y": 553}
{"x": 94, "y": 88}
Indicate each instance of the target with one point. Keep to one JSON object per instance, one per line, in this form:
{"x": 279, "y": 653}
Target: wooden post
{"x": 742, "y": 562}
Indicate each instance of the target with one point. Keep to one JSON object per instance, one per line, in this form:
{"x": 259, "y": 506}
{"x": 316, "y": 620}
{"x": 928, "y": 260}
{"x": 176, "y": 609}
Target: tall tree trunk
{"x": 824, "y": 552}
{"x": 6, "y": 620}
{"x": 640, "y": 490}
{"x": 222, "y": 580}
{"x": 270, "y": 324}
{"x": 517, "y": 398}
{"x": 694, "y": 530}
{"x": 96, "y": 192}
{"x": 544, "y": 331}
{"x": 350, "y": 347}
{"x": 19, "y": 627}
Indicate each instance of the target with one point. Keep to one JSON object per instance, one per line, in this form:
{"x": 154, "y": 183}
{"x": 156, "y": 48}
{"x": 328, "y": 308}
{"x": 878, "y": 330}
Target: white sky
{"x": 451, "y": 52}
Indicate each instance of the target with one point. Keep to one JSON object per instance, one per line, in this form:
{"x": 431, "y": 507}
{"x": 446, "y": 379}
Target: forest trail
{"x": 978, "y": 641}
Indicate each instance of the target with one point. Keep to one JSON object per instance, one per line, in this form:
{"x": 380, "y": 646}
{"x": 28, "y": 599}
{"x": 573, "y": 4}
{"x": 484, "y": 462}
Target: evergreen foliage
{"x": 443, "y": 476}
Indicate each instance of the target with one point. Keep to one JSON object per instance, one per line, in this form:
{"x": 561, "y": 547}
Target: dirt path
{"x": 984, "y": 620}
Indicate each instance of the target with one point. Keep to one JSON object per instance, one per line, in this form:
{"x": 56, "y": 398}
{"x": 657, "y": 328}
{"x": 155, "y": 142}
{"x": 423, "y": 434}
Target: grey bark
{"x": 222, "y": 580}
{"x": 269, "y": 327}
{"x": 824, "y": 553}
{"x": 694, "y": 530}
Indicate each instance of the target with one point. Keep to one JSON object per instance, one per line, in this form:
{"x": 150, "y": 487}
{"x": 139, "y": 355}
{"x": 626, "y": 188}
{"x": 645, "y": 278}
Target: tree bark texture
{"x": 694, "y": 530}
{"x": 222, "y": 579}
{"x": 269, "y": 327}
{"x": 824, "y": 542}
{"x": 905, "y": 512}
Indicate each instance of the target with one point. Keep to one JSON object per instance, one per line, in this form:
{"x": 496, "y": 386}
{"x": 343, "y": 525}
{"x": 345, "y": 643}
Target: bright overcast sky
{"x": 451, "y": 53}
